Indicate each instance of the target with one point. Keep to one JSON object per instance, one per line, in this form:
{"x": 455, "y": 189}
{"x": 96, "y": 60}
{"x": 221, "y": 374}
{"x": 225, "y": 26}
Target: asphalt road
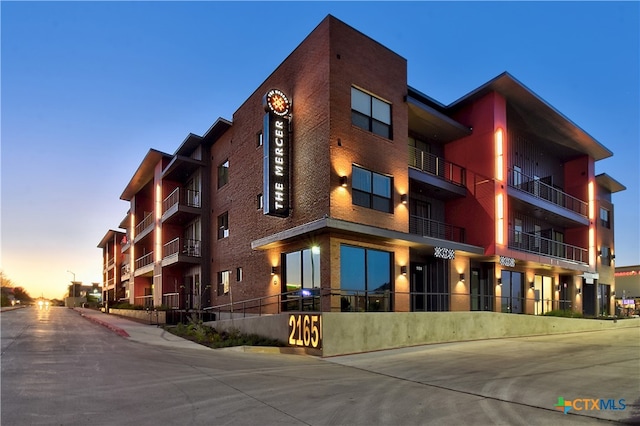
{"x": 58, "y": 368}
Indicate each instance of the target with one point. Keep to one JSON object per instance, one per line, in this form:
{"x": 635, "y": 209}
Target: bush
{"x": 564, "y": 313}
{"x": 197, "y": 332}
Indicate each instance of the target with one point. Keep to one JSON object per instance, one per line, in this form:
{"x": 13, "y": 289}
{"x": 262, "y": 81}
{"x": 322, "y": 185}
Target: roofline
{"x": 609, "y": 183}
{"x": 590, "y": 144}
{"x": 110, "y": 233}
{"x": 143, "y": 173}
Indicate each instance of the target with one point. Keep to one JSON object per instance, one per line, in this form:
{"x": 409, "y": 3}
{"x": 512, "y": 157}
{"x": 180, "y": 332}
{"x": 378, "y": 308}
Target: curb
{"x": 111, "y": 327}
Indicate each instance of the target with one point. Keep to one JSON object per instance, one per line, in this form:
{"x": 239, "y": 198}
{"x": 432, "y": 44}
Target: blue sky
{"x": 89, "y": 87}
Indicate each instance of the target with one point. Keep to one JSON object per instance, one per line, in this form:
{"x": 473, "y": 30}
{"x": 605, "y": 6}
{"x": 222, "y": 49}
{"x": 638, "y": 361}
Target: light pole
{"x": 73, "y": 286}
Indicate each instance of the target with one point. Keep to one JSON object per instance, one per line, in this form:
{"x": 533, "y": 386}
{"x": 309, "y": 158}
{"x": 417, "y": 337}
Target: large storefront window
{"x": 512, "y": 292}
{"x": 302, "y": 280}
{"x": 365, "y": 279}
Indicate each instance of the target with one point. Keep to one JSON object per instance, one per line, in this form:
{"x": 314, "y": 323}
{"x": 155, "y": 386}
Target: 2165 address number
{"x": 305, "y": 330}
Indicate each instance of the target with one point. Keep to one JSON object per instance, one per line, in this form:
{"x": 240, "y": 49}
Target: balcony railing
{"x": 532, "y": 243}
{"x": 145, "y": 260}
{"x": 187, "y": 197}
{"x": 125, "y": 271}
{"x": 434, "y": 229}
{"x": 543, "y": 191}
{"x": 437, "y": 166}
{"x": 185, "y": 246}
{"x": 146, "y": 223}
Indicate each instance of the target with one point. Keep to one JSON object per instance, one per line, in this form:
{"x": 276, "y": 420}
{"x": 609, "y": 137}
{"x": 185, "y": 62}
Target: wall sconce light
{"x": 499, "y": 281}
{"x": 557, "y": 287}
{"x": 404, "y": 198}
{"x": 599, "y": 252}
{"x": 531, "y": 285}
{"x": 613, "y": 293}
{"x": 613, "y": 256}
{"x": 343, "y": 181}
{"x": 579, "y": 291}
{"x": 462, "y": 277}
{"x": 274, "y": 270}
{"x": 403, "y": 269}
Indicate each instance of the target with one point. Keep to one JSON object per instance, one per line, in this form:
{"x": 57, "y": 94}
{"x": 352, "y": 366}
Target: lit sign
{"x": 509, "y": 262}
{"x": 276, "y": 153}
{"x": 444, "y": 253}
{"x": 305, "y": 330}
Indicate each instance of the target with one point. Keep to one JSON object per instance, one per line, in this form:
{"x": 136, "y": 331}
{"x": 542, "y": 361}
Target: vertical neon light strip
{"x": 500, "y": 216}
{"x": 592, "y": 231}
{"x": 499, "y": 139}
{"x": 132, "y": 235}
{"x": 499, "y": 142}
{"x": 158, "y": 231}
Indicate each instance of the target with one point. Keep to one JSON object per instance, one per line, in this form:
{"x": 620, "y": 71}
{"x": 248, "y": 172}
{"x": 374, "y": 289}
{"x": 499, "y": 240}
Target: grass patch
{"x": 197, "y": 332}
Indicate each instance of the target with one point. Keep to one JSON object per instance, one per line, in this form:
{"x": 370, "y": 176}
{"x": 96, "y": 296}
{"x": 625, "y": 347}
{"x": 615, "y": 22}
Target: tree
{"x": 21, "y": 294}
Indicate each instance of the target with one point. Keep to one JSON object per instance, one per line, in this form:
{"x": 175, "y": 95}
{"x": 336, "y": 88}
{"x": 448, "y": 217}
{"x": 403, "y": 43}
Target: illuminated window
{"x": 223, "y": 174}
{"x": 370, "y": 113}
{"x": 371, "y": 190}
{"x": 224, "y": 277}
{"x": 604, "y": 218}
{"x": 223, "y": 225}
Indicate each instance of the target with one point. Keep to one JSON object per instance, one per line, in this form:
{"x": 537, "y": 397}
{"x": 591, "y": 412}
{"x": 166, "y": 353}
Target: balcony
{"x": 536, "y": 193}
{"x": 434, "y": 229}
{"x": 442, "y": 178}
{"x": 181, "y": 250}
{"x": 532, "y": 243}
{"x": 144, "y": 227}
{"x": 125, "y": 272}
{"x": 181, "y": 205}
{"x": 144, "y": 264}
{"x": 109, "y": 265}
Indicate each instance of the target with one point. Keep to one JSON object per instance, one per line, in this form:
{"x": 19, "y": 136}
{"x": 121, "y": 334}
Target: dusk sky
{"x": 89, "y": 87}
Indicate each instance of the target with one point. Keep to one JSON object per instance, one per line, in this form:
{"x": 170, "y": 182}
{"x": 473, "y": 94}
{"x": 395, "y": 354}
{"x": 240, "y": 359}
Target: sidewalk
{"x": 143, "y": 333}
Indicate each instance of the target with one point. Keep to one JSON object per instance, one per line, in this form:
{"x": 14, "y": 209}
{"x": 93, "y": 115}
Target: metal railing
{"x": 383, "y": 301}
{"x": 125, "y": 270}
{"x": 543, "y": 191}
{"x": 145, "y": 301}
{"x": 188, "y": 197}
{"x": 431, "y": 228}
{"x": 533, "y": 243}
{"x": 171, "y": 300}
{"x": 437, "y": 166}
{"x": 144, "y": 224}
{"x": 185, "y": 246}
{"x": 145, "y": 260}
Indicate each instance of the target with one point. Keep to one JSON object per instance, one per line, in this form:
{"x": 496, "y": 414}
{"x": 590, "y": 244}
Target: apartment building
{"x": 338, "y": 187}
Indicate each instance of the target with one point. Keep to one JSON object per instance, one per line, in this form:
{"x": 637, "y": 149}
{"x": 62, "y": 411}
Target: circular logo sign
{"x": 277, "y": 102}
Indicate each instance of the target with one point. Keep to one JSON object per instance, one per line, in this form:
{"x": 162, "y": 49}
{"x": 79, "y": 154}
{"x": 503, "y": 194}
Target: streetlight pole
{"x": 73, "y": 286}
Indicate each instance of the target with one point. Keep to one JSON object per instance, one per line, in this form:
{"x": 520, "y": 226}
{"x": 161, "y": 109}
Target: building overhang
{"x": 548, "y": 122}
{"x": 609, "y": 183}
{"x": 109, "y": 237}
{"x": 143, "y": 174}
{"x": 357, "y": 229}
{"x": 432, "y": 123}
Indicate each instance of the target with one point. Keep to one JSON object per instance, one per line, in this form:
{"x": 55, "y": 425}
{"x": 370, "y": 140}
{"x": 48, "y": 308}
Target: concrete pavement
{"x": 136, "y": 331}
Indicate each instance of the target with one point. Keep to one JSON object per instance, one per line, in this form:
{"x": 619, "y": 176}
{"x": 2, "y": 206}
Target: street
{"x": 59, "y": 368}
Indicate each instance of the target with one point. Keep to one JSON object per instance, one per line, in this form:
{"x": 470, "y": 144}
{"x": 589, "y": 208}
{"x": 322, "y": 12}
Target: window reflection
{"x": 365, "y": 279}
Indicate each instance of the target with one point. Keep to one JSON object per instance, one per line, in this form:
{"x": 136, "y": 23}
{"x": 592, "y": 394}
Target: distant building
{"x": 628, "y": 289}
{"x": 336, "y": 186}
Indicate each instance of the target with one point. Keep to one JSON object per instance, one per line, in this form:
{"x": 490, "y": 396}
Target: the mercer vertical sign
{"x": 276, "y": 153}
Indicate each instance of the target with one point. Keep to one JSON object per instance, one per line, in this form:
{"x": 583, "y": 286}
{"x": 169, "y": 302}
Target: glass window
{"x": 260, "y": 201}
{"x": 223, "y": 174}
{"x": 302, "y": 269}
{"x": 223, "y": 282}
{"x": 223, "y": 225}
{"x": 604, "y": 218}
{"x": 365, "y": 279}
{"x": 370, "y": 113}
{"x": 371, "y": 190}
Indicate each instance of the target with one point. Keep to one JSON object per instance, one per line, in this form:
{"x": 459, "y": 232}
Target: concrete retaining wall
{"x": 346, "y": 333}
{"x": 153, "y": 317}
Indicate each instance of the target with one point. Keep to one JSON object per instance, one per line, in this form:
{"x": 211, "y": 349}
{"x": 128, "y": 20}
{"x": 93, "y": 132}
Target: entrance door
{"x": 481, "y": 290}
{"x": 417, "y": 289}
{"x": 512, "y": 292}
